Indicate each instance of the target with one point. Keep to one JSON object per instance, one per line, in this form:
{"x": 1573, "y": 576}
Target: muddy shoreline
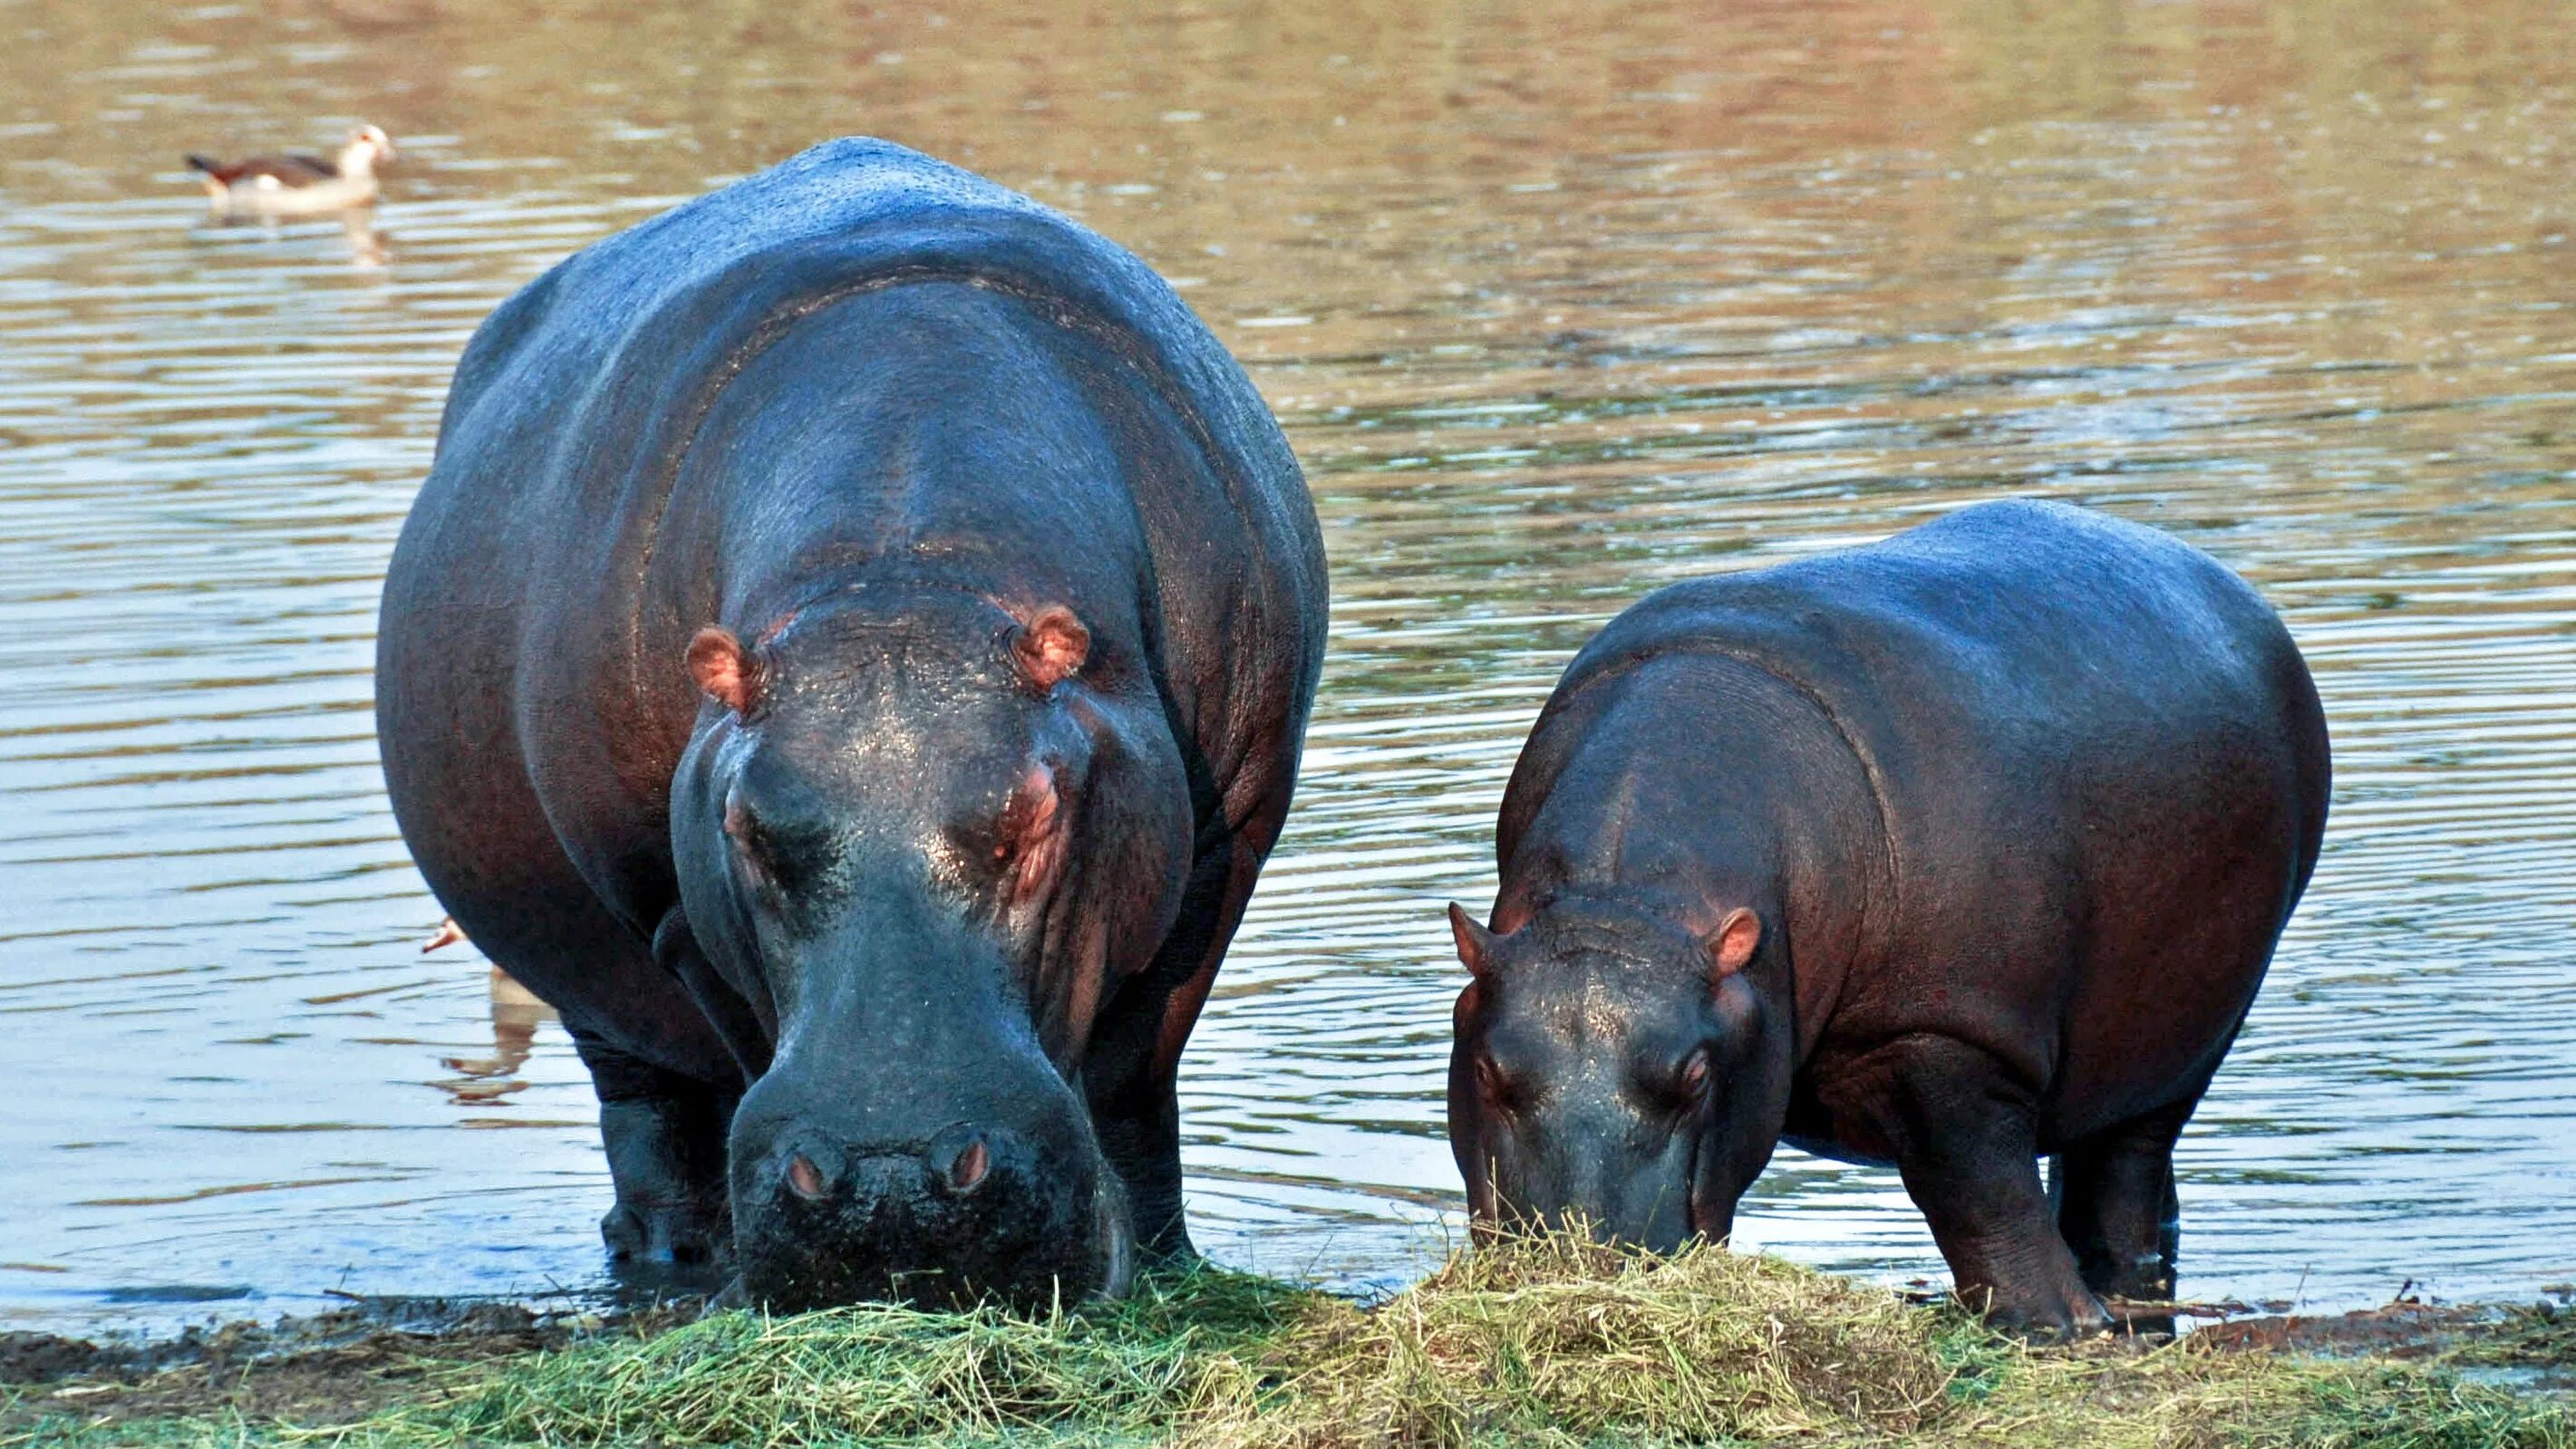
{"x": 324, "y": 1366}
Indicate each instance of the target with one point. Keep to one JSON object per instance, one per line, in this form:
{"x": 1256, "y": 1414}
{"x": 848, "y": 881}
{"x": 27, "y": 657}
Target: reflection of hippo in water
{"x": 854, "y": 647}
{"x": 1948, "y": 852}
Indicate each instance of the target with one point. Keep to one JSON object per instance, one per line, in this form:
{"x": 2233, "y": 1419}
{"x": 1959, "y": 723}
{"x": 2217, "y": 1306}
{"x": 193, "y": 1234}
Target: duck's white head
{"x": 366, "y": 146}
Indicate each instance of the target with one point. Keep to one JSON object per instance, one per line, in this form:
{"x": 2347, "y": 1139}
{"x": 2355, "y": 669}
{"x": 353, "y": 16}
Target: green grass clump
{"x": 1547, "y": 1342}
{"x": 878, "y": 1374}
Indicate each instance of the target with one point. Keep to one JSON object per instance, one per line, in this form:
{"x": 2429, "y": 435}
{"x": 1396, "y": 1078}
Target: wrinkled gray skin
{"x": 1951, "y": 852}
{"x": 850, "y": 657}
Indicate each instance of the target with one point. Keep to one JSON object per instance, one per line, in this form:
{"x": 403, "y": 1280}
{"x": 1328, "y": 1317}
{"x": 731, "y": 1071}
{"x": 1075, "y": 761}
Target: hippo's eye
{"x": 1028, "y": 817}
{"x": 743, "y": 833}
{"x": 1495, "y": 1088}
{"x": 751, "y": 846}
{"x": 772, "y": 855}
{"x": 1691, "y": 1083}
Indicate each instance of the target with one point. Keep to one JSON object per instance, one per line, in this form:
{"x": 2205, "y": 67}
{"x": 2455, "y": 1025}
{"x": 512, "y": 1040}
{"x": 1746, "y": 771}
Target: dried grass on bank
{"x": 1560, "y": 1340}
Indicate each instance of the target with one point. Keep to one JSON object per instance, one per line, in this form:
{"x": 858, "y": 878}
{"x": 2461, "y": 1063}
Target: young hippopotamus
{"x": 1948, "y": 852}
{"x": 850, "y": 657}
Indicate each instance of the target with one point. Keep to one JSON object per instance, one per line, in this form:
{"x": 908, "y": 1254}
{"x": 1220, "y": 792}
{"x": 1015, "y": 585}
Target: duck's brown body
{"x": 296, "y": 184}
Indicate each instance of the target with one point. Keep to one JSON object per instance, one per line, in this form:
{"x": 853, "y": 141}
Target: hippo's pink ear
{"x": 1734, "y": 943}
{"x": 1051, "y": 645}
{"x": 1475, "y": 943}
{"x": 724, "y": 669}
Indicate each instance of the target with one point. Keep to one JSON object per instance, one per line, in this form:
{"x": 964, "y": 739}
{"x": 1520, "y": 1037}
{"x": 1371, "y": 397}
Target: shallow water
{"x": 1553, "y": 314}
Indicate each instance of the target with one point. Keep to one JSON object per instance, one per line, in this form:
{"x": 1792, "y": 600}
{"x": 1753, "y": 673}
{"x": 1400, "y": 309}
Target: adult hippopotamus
{"x": 1951, "y": 851}
{"x": 850, "y": 656}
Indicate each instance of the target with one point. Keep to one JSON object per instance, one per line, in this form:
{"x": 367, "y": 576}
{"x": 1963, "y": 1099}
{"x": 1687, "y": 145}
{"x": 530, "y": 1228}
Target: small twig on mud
{"x": 2142, "y": 1307}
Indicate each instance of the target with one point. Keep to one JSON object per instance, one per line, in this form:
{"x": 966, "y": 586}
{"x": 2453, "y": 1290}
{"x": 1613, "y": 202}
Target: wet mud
{"x": 2531, "y": 1345}
{"x": 326, "y": 1367}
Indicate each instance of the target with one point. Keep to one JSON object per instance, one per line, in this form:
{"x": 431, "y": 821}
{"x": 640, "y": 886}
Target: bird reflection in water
{"x": 369, "y": 248}
{"x": 516, "y": 1014}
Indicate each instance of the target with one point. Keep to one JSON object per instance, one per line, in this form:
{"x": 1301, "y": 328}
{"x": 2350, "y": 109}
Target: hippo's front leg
{"x": 1965, "y": 1138}
{"x": 1132, "y": 1076}
{"x": 665, "y": 1135}
{"x": 1136, "y": 1115}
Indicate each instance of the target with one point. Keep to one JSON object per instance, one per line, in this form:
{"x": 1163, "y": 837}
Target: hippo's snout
{"x": 1590, "y": 1165}
{"x": 970, "y": 1212}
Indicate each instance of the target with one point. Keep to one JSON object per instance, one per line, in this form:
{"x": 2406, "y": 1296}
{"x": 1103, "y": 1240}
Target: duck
{"x": 298, "y": 184}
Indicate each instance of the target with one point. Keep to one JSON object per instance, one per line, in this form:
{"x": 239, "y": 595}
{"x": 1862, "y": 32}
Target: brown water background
{"x": 1558, "y": 302}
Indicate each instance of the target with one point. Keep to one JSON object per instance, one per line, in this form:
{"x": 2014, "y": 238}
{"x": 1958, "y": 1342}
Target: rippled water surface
{"x": 1554, "y": 313}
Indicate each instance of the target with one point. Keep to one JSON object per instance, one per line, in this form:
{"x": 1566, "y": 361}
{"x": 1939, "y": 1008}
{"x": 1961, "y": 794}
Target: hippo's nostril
{"x": 968, "y": 1169}
{"x": 961, "y": 1159}
{"x": 803, "y": 1177}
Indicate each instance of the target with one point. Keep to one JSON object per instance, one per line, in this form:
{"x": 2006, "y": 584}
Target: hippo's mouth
{"x": 1698, "y": 1223}
{"x": 1113, "y": 1235}
{"x": 1705, "y": 1216}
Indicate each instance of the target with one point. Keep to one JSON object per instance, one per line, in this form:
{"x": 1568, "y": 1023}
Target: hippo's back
{"x": 2031, "y": 626}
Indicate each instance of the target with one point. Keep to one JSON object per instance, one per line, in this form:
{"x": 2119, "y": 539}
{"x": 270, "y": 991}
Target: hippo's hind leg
{"x": 665, "y": 1135}
{"x": 2117, "y": 1207}
{"x": 1965, "y": 1136}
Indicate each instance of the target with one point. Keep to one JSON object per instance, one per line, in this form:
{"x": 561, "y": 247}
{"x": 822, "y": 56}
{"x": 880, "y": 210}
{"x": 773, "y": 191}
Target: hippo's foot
{"x": 2054, "y": 1309}
{"x": 1162, "y": 1236}
{"x": 676, "y": 1233}
{"x": 1173, "y": 1253}
{"x": 665, "y": 1136}
{"x": 667, "y": 1159}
